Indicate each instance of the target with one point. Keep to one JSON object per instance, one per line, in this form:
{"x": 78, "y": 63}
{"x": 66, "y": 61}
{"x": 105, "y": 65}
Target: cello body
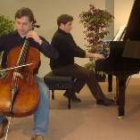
{"x": 19, "y": 97}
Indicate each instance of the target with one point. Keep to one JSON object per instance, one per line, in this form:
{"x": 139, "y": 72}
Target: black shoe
{"x": 3, "y": 127}
{"x": 73, "y": 97}
{"x": 106, "y": 102}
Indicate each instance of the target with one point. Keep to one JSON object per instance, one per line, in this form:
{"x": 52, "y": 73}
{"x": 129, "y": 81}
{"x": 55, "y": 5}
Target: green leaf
{"x": 6, "y": 25}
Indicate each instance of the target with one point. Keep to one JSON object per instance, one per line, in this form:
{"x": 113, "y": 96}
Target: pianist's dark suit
{"x": 65, "y": 66}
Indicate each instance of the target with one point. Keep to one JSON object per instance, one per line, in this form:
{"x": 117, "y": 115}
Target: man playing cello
{"x": 24, "y": 19}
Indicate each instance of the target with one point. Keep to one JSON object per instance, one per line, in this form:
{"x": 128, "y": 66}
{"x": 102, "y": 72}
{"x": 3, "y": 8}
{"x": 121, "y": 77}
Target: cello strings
{"x": 23, "y": 52}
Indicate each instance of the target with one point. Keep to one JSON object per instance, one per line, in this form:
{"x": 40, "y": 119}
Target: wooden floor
{"x": 86, "y": 120}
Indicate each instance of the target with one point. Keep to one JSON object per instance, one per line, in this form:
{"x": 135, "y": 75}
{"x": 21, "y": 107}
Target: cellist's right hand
{"x": 17, "y": 75}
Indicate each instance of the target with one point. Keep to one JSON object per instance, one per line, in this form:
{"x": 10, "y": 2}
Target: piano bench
{"x": 58, "y": 83}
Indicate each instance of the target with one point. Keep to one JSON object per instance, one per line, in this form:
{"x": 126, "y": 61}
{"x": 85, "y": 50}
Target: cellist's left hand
{"x": 34, "y": 36}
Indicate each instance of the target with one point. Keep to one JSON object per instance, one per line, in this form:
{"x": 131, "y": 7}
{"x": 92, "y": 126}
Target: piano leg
{"x": 117, "y": 90}
{"x": 110, "y": 82}
{"x": 121, "y": 94}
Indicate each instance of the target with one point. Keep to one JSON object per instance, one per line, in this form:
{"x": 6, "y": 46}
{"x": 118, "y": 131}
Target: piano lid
{"x": 132, "y": 34}
{"x": 132, "y": 49}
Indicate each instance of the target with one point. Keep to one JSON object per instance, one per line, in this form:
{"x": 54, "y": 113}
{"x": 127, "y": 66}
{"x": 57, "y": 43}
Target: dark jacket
{"x": 66, "y": 48}
{"x": 12, "y": 40}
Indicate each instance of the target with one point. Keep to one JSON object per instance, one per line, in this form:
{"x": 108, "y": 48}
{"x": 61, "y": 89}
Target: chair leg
{"x": 69, "y": 103}
{"x": 52, "y": 94}
{"x": 110, "y": 82}
{"x": 69, "y": 100}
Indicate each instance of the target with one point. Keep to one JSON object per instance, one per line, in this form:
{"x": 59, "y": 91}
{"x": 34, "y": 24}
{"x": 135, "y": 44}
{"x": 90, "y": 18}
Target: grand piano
{"x": 124, "y": 57}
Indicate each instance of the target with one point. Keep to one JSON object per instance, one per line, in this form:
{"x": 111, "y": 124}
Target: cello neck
{"x": 22, "y": 55}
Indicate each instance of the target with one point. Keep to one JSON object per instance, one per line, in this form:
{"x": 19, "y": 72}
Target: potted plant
{"x": 6, "y": 26}
{"x": 96, "y": 23}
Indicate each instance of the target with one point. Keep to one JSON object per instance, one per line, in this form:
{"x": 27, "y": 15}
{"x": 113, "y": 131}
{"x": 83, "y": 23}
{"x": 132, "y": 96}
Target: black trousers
{"x": 81, "y": 76}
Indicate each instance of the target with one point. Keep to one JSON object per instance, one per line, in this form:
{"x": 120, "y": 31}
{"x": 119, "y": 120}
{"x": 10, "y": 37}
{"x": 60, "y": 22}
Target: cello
{"x": 18, "y": 90}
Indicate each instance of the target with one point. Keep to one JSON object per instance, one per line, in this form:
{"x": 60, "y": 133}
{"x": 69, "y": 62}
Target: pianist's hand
{"x": 94, "y": 55}
{"x": 97, "y": 56}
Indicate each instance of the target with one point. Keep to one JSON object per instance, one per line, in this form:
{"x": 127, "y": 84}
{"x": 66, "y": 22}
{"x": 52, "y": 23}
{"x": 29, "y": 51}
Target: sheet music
{"x": 105, "y": 49}
{"x": 120, "y": 33}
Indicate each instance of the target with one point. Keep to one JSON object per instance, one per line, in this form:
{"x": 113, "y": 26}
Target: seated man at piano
{"x": 64, "y": 65}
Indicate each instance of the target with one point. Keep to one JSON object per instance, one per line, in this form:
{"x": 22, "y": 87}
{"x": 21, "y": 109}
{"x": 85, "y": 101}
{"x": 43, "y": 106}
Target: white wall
{"x": 46, "y": 13}
{"x": 122, "y": 11}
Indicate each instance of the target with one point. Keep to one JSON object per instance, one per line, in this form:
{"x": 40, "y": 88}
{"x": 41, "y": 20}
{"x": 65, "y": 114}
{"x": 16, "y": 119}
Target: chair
{"x": 58, "y": 83}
